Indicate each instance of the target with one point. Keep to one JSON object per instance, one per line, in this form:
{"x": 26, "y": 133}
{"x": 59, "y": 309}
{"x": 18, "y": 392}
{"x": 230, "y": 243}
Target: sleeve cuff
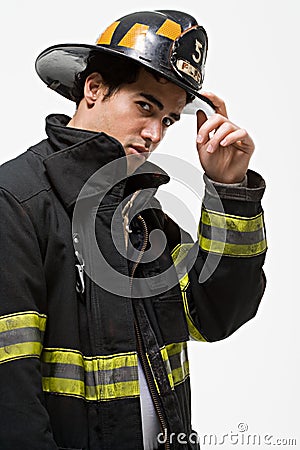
{"x": 243, "y": 183}
{"x": 251, "y": 188}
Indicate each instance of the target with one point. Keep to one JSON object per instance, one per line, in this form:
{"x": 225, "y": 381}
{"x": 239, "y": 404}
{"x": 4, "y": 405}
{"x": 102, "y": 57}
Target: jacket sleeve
{"x": 24, "y": 420}
{"x": 221, "y": 276}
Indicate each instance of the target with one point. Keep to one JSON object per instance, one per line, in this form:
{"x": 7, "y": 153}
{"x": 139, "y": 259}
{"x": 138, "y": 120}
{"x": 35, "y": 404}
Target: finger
{"x": 208, "y": 126}
{"x": 201, "y": 119}
{"x": 240, "y": 139}
{"x": 219, "y": 104}
{"x": 221, "y": 134}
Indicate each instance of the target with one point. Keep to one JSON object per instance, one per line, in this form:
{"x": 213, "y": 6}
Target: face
{"x": 138, "y": 114}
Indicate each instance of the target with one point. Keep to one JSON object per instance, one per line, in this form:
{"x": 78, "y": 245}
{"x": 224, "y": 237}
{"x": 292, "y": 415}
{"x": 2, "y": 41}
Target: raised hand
{"x": 224, "y": 148}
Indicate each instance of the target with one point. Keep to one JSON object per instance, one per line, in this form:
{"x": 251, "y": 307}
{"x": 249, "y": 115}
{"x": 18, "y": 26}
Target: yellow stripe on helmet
{"x": 169, "y": 29}
{"x": 106, "y": 36}
{"x": 135, "y": 37}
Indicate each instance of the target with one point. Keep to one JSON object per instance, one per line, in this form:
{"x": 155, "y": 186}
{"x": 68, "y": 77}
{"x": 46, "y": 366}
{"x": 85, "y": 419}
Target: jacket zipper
{"x": 141, "y": 352}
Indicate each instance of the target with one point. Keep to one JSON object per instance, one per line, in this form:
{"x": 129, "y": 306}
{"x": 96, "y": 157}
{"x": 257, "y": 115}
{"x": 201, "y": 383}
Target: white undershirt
{"x": 150, "y": 422}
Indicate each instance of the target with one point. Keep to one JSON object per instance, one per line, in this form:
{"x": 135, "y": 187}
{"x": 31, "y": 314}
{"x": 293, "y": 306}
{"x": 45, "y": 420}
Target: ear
{"x": 93, "y": 88}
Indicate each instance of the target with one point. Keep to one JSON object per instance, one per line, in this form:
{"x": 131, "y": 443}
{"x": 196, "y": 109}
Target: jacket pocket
{"x": 171, "y": 320}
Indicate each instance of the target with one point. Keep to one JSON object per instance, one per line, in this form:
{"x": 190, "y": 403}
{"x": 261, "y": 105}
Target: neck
{"x": 80, "y": 119}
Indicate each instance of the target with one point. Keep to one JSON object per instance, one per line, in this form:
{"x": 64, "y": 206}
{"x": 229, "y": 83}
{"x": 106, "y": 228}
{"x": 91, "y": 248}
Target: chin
{"x": 134, "y": 161}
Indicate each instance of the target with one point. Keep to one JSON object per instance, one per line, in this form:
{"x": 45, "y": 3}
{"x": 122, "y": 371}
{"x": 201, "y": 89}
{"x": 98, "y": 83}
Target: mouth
{"x": 139, "y": 150}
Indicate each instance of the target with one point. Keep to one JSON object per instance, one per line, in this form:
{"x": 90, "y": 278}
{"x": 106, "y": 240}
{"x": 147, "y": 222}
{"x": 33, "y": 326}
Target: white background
{"x": 253, "y": 376}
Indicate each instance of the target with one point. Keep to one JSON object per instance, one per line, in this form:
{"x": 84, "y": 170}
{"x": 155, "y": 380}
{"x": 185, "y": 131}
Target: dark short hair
{"x": 115, "y": 71}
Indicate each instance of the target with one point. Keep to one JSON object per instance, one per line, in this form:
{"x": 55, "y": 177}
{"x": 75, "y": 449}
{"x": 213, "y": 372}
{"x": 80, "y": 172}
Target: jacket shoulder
{"x": 24, "y": 176}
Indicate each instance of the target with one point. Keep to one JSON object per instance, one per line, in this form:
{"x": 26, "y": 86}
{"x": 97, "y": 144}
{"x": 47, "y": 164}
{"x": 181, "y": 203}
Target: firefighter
{"x": 100, "y": 289}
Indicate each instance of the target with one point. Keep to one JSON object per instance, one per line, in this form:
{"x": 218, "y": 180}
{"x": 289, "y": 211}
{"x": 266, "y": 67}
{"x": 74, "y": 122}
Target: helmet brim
{"x": 58, "y": 66}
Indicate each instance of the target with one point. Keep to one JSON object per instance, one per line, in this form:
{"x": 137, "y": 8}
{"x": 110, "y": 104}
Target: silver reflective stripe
{"x": 21, "y": 335}
{"x": 231, "y": 236}
{"x": 74, "y": 372}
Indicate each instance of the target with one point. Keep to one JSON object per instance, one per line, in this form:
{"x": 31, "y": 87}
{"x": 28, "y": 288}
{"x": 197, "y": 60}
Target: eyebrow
{"x": 160, "y": 106}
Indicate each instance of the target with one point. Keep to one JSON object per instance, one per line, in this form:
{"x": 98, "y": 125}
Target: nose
{"x": 152, "y": 132}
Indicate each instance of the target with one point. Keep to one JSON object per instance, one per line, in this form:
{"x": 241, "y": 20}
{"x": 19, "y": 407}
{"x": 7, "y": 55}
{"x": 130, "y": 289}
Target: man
{"x": 100, "y": 290}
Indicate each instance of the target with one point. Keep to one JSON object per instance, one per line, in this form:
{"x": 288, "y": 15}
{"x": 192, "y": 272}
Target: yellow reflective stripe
{"x": 176, "y": 348}
{"x": 175, "y": 252}
{"x": 232, "y": 249}
{"x": 113, "y": 391}
{"x": 90, "y": 363}
{"x": 77, "y": 388}
{"x": 184, "y": 281}
{"x": 18, "y": 351}
{"x": 106, "y": 36}
{"x": 135, "y": 37}
{"x": 176, "y": 361}
{"x": 62, "y": 356}
{"x": 230, "y": 222}
{"x": 23, "y": 320}
{"x": 68, "y": 372}
{"x": 193, "y": 330}
{"x": 165, "y": 358}
{"x": 21, "y": 335}
{"x": 169, "y": 29}
{"x": 178, "y": 254}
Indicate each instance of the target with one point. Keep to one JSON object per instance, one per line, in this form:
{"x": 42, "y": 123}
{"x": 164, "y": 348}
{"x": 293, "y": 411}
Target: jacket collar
{"x": 80, "y": 154}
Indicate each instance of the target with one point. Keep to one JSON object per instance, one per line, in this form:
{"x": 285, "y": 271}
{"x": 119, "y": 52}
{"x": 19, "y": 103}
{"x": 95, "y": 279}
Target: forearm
{"x": 224, "y": 282}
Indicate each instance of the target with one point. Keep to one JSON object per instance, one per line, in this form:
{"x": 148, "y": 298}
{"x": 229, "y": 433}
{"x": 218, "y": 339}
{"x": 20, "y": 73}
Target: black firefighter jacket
{"x": 76, "y": 312}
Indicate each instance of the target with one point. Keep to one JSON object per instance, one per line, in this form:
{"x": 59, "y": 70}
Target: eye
{"x": 145, "y": 106}
{"x": 167, "y": 121}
